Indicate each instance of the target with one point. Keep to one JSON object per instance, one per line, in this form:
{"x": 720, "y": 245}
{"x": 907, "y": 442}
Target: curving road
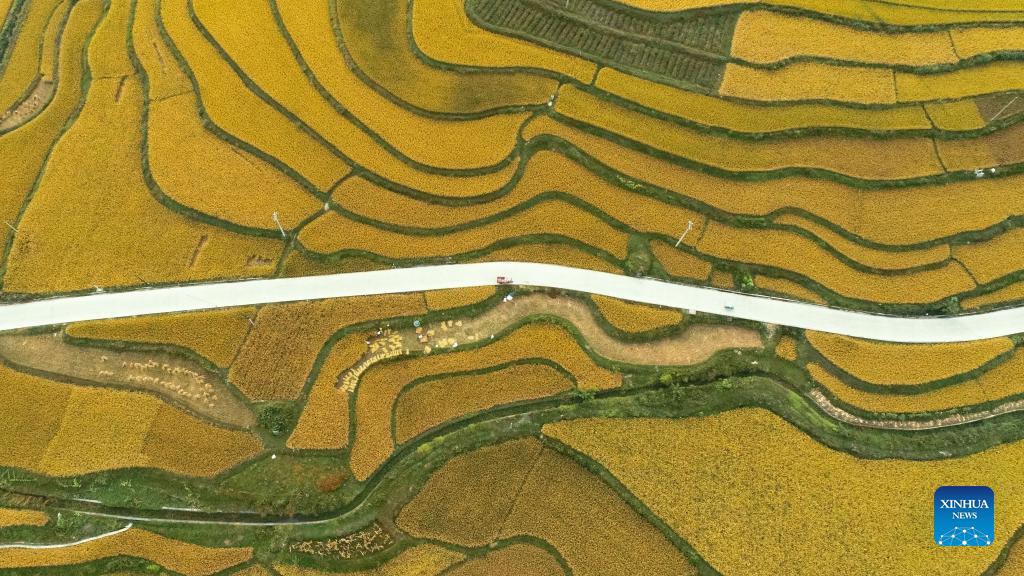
{"x": 749, "y": 307}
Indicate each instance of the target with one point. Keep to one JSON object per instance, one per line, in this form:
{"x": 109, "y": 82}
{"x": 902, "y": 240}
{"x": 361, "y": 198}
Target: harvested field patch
{"x": 998, "y": 383}
{"x": 263, "y": 372}
{"x": 882, "y": 259}
{"x": 812, "y": 81}
{"x": 365, "y": 542}
{"x": 866, "y": 158}
{"x": 442, "y": 30}
{"x": 419, "y": 560}
{"x": 467, "y": 500}
{"x": 893, "y": 364}
{"x": 756, "y": 118}
{"x": 27, "y": 108}
{"x": 788, "y": 288}
{"x": 1002, "y": 148}
{"x": 213, "y": 334}
{"x": 323, "y": 424}
{"x": 792, "y": 252}
{"x": 208, "y": 174}
{"x": 512, "y": 560}
{"x": 172, "y": 377}
{"x": 456, "y": 144}
{"x": 13, "y": 517}
{"x": 333, "y": 233}
{"x": 588, "y": 523}
{"x": 732, "y": 455}
{"x": 376, "y": 35}
{"x": 62, "y": 246}
{"x": 681, "y": 49}
{"x": 231, "y": 105}
{"x": 432, "y": 402}
{"x": 766, "y": 36}
{"x": 183, "y": 557}
{"x": 634, "y": 317}
{"x": 457, "y": 297}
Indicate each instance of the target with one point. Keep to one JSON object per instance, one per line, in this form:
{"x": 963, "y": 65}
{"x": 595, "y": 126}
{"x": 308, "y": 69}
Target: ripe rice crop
{"x": 436, "y": 401}
{"x": 182, "y": 557}
{"x": 1000, "y": 382}
{"x": 165, "y": 76}
{"x": 185, "y": 445}
{"x": 213, "y": 334}
{"x": 798, "y": 254}
{"x": 722, "y": 279}
{"x": 50, "y": 41}
{"x": 593, "y": 528}
{"x": 247, "y": 32}
{"x": 788, "y": 288}
{"x": 766, "y": 36}
{"x": 889, "y": 216}
{"x": 546, "y": 172}
{"x": 954, "y": 115}
{"x": 457, "y": 297}
{"x": 380, "y": 385}
{"x": 323, "y": 424}
{"x": 61, "y": 429}
{"x": 634, "y": 317}
{"x": 811, "y": 81}
{"x": 203, "y": 172}
{"x": 333, "y": 233}
{"x": 444, "y": 32}
{"x": 867, "y": 158}
{"x": 13, "y": 517}
{"x": 993, "y": 258}
{"x": 28, "y": 146}
{"x": 1014, "y": 563}
{"x": 419, "y": 560}
{"x": 99, "y": 157}
{"x": 902, "y": 364}
{"x": 786, "y": 348}
{"x": 756, "y": 118}
{"x": 749, "y": 460}
{"x": 436, "y": 142}
{"x": 466, "y": 501}
{"x": 512, "y": 560}
{"x": 974, "y": 41}
{"x": 375, "y": 33}
{"x": 1000, "y": 76}
{"x": 241, "y": 113}
{"x": 22, "y": 62}
{"x": 881, "y": 259}
{"x": 550, "y": 254}
{"x": 1013, "y": 292}
{"x": 263, "y": 372}
{"x": 108, "y": 57}
{"x": 681, "y": 264}
{"x": 921, "y": 12}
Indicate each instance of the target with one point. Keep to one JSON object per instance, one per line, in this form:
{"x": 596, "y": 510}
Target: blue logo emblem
{"x": 964, "y": 516}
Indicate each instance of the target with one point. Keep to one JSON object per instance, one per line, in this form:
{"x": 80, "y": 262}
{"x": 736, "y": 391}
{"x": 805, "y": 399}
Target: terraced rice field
{"x": 437, "y": 130}
{"x": 854, "y": 153}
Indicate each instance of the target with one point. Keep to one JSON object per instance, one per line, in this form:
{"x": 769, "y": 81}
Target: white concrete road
{"x": 759, "y": 308}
